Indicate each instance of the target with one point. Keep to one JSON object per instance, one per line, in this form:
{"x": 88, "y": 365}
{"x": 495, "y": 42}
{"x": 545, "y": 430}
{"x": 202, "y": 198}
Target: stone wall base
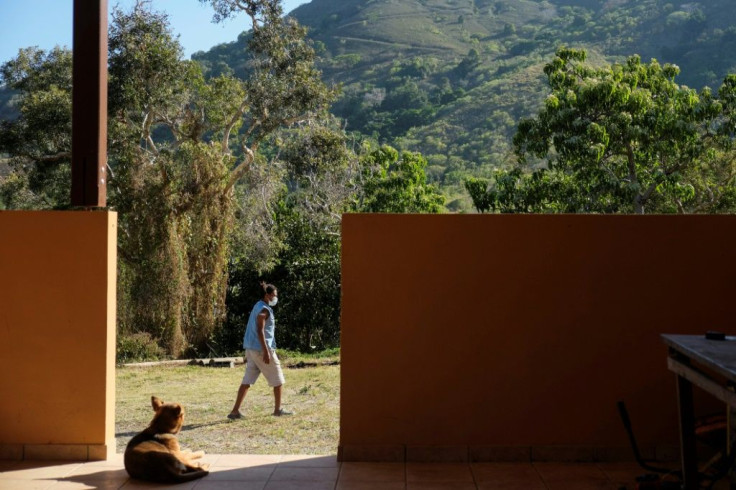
{"x": 477, "y": 454}
{"x": 55, "y": 452}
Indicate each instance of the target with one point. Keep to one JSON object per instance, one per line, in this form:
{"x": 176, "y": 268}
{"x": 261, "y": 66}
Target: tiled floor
{"x": 279, "y": 472}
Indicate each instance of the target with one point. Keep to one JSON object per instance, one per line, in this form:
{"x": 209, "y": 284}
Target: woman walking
{"x": 260, "y": 352}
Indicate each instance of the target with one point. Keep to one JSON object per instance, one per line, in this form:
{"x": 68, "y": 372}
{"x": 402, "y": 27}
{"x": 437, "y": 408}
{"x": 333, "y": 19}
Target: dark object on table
{"x": 713, "y": 335}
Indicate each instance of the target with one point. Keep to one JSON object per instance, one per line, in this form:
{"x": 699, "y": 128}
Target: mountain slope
{"x": 451, "y": 78}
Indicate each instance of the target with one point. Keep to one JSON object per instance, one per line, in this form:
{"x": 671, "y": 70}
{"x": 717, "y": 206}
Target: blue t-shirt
{"x": 250, "y": 340}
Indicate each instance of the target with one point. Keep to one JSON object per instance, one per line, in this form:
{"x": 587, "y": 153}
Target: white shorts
{"x": 254, "y": 366}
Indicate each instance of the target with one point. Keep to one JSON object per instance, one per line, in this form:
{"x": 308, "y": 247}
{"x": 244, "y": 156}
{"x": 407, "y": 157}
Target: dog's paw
{"x": 197, "y": 454}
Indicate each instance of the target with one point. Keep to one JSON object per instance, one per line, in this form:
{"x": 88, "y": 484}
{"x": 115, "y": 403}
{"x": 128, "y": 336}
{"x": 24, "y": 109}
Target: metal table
{"x": 710, "y": 365}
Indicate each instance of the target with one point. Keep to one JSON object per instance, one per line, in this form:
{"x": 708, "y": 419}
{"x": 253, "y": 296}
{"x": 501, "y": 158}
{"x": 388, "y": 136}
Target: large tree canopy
{"x": 38, "y": 141}
{"x": 618, "y": 138}
{"x": 393, "y": 183}
{"x": 187, "y": 142}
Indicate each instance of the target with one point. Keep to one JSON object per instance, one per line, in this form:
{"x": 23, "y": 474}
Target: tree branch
{"x": 64, "y": 155}
{"x": 230, "y": 125}
{"x": 240, "y": 169}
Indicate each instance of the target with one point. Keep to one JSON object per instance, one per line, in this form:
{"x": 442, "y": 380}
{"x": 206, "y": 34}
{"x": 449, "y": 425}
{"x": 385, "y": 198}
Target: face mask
{"x": 273, "y": 302}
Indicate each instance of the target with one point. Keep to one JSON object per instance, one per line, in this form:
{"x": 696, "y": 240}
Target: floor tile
{"x": 304, "y": 474}
{"x": 571, "y": 476}
{"x": 373, "y": 472}
{"x": 507, "y": 476}
{"x": 39, "y": 470}
{"x": 438, "y": 473}
{"x": 205, "y": 484}
{"x": 142, "y": 485}
{"x": 39, "y": 484}
{"x": 300, "y": 485}
{"x": 92, "y": 485}
{"x": 89, "y": 472}
{"x": 448, "y": 485}
{"x": 510, "y": 485}
{"x": 112, "y": 480}
{"x": 363, "y": 485}
{"x": 622, "y": 475}
{"x": 582, "y": 485}
{"x": 300, "y": 461}
{"x": 254, "y": 473}
{"x": 246, "y": 460}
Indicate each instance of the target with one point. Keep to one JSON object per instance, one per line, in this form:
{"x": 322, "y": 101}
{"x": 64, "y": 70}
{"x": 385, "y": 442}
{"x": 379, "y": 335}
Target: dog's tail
{"x": 190, "y": 475}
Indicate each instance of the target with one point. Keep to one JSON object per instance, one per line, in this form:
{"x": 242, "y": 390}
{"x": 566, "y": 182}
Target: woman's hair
{"x": 267, "y": 288}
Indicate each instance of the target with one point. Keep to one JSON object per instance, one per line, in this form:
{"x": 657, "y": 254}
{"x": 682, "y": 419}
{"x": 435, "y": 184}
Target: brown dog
{"x": 155, "y": 455}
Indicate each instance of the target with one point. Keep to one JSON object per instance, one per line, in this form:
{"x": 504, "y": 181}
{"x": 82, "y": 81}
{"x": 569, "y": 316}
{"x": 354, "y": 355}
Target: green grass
{"x": 207, "y": 395}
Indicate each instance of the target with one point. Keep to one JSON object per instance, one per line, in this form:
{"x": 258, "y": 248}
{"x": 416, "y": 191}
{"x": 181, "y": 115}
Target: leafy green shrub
{"x": 137, "y": 347}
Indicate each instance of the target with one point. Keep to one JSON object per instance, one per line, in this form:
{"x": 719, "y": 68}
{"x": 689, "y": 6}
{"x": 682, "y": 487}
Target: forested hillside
{"x": 231, "y": 170}
{"x": 452, "y": 78}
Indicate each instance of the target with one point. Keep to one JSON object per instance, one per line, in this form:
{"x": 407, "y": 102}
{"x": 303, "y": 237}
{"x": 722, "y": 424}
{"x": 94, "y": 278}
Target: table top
{"x": 719, "y": 355}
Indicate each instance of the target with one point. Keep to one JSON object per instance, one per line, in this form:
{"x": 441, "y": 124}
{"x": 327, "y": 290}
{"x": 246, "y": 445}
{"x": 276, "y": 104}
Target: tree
{"x": 514, "y": 191}
{"x": 187, "y": 142}
{"x": 393, "y": 184}
{"x": 308, "y": 271}
{"x": 468, "y": 63}
{"x": 38, "y": 141}
{"x": 478, "y": 190}
{"x": 622, "y": 138}
{"x": 151, "y": 181}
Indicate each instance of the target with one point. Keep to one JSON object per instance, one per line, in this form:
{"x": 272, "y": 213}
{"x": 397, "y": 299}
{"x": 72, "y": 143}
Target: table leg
{"x": 730, "y": 435}
{"x": 688, "y": 455}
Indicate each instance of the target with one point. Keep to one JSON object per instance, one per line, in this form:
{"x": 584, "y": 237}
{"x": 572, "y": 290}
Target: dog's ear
{"x": 156, "y": 403}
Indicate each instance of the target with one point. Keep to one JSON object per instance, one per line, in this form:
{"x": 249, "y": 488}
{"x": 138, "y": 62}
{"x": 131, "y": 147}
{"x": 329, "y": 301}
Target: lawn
{"x": 208, "y": 393}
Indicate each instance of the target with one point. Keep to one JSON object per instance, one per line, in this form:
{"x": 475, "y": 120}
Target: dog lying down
{"x": 154, "y": 454}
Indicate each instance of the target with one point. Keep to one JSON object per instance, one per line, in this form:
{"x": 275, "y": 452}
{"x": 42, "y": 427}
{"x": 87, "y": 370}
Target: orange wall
{"x": 57, "y": 331}
{"x": 472, "y": 333}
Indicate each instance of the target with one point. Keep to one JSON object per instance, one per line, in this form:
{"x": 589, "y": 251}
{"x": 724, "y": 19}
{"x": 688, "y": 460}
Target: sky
{"x": 47, "y": 23}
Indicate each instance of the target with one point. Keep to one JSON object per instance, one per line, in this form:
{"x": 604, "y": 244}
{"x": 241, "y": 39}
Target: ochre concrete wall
{"x": 57, "y": 334}
{"x": 513, "y": 336}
